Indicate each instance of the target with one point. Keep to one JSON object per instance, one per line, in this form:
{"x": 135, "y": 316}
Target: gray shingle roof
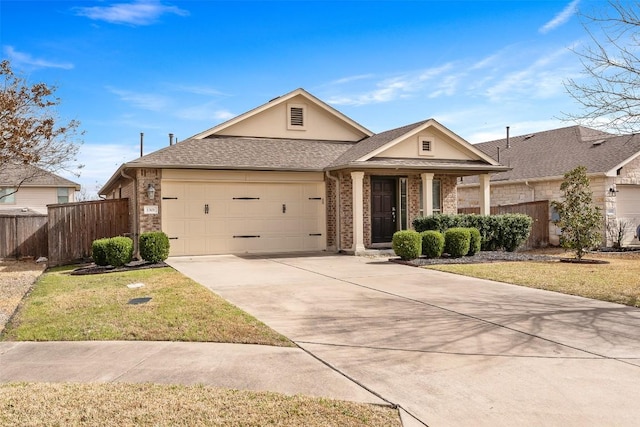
{"x": 228, "y": 152}
{"x": 12, "y": 175}
{"x": 372, "y": 143}
{"x": 553, "y": 153}
{"x": 428, "y": 164}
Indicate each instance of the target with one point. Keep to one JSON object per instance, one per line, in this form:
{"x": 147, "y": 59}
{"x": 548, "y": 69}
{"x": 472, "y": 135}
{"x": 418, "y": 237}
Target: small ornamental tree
{"x": 579, "y": 219}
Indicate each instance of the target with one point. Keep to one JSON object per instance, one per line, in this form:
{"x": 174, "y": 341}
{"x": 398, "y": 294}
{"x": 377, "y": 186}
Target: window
{"x": 63, "y": 195}
{"x": 7, "y": 196}
{"x": 425, "y": 146}
{"x": 437, "y": 197}
{"x": 296, "y": 116}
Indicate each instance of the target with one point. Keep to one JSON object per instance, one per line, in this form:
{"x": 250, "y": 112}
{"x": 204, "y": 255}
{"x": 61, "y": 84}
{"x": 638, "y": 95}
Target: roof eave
{"x": 458, "y": 168}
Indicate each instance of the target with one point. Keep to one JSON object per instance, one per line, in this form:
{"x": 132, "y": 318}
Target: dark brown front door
{"x": 383, "y": 209}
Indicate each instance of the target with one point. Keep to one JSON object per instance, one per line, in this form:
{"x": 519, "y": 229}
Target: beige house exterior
{"x": 538, "y": 162}
{"x": 295, "y": 174}
{"x": 36, "y": 188}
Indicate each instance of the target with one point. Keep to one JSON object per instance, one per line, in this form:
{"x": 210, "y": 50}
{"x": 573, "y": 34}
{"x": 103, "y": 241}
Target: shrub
{"x": 475, "y": 242}
{"x": 515, "y": 230}
{"x": 457, "y": 241}
{"x": 432, "y": 243}
{"x": 407, "y": 244}
{"x": 506, "y": 231}
{"x": 119, "y": 251}
{"x": 99, "y": 251}
{"x": 154, "y": 246}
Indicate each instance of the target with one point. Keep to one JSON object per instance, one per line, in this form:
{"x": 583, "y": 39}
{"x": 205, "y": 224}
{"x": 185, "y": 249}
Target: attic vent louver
{"x": 598, "y": 142}
{"x": 529, "y": 136}
{"x": 297, "y": 118}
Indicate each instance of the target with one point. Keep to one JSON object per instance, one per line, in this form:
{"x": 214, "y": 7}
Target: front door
{"x": 383, "y": 209}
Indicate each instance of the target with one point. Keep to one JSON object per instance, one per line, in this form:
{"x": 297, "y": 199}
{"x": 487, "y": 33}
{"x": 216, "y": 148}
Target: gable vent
{"x": 297, "y": 116}
{"x": 426, "y": 145}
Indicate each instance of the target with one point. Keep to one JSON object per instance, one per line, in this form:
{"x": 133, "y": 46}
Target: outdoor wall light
{"x": 612, "y": 192}
{"x": 151, "y": 191}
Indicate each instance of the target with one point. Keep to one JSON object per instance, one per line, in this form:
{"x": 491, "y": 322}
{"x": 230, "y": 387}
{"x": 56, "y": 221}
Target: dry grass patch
{"x": 62, "y": 307}
{"x": 163, "y": 405}
{"x": 618, "y": 281}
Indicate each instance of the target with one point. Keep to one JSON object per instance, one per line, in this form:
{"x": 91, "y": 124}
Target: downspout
{"x": 135, "y": 209}
{"x": 337, "y": 184}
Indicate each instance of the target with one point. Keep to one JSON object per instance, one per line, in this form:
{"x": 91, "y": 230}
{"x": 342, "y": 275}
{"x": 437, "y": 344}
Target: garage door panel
{"x": 628, "y": 210}
{"x": 213, "y": 233}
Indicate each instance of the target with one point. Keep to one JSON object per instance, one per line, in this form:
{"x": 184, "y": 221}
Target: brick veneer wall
{"x": 331, "y": 213}
{"x": 149, "y": 222}
{"x": 346, "y": 212}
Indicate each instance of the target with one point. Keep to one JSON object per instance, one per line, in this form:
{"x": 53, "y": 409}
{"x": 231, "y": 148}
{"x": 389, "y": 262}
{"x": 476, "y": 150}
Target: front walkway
{"x": 450, "y": 350}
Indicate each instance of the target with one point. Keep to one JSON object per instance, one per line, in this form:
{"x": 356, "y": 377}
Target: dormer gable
{"x": 296, "y": 115}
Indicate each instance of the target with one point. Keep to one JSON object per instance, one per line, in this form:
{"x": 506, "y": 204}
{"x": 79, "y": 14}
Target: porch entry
{"x": 384, "y": 208}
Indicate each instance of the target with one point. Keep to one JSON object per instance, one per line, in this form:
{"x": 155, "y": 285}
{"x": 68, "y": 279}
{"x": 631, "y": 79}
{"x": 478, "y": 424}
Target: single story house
{"x": 295, "y": 174}
{"x": 538, "y": 162}
{"x": 36, "y": 187}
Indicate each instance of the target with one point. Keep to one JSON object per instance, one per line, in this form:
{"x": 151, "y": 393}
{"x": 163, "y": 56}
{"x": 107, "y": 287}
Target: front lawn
{"x": 618, "y": 281}
{"x": 169, "y": 307}
{"x": 171, "y": 405}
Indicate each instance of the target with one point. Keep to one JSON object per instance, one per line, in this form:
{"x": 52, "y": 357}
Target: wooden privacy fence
{"x": 23, "y": 234}
{"x": 539, "y": 211}
{"x": 74, "y": 226}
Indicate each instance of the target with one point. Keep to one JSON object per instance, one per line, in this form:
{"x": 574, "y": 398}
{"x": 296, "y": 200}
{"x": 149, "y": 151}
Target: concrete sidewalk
{"x": 238, "y": 366}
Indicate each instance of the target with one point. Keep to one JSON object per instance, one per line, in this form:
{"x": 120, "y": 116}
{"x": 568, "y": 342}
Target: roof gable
{"x": 272, "y": 119}
{"x": 403, "y": 143}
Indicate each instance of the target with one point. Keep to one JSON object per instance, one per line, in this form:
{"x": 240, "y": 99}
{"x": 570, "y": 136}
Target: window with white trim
{"x": 7, "y": 196}
{"x": 63, "y": 195}
{"x": 296, "y": 116}
{"x": 437, "y": 197}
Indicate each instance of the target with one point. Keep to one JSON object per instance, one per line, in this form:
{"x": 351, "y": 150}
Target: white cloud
{"x": 141, "y": 12}
{"x": 145, "y": 101}
{"x": 204, "y": 112}
{"x": 397, "y": 87}
{"x": 350, "y": 79}
{"x": 21, "y": 59}
{"x": 197, "y": 90}
{"x": 561, "y": 17}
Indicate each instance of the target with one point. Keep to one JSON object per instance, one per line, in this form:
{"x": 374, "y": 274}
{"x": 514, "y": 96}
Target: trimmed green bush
{"x": 119, "y": 251}
{"x": 154, "y": 246}
{"x": 457, "y": 241}
{"x": 407, "y": 244}
{"x": 432, "y": 243}
{"x": 99, "y": 251}
{"x": 507, "y": 231}
{"x": 475, "y": 242}
{"x": 516, "y": 229}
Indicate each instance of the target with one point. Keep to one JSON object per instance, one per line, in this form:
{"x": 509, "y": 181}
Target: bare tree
{"x": 610, "y": 90}
{"x": 33, "y": 140}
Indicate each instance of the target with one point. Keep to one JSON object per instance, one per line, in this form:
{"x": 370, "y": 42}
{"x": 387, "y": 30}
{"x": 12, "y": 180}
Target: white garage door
{"x": 219, "y": 218}
{"x": 628, "y": 209}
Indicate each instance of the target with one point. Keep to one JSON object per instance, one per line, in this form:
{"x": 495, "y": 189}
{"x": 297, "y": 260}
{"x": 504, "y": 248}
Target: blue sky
{"x": 154, "y": 66}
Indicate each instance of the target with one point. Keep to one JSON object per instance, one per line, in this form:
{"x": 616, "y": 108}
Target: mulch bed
{"x": 480, "y": 257}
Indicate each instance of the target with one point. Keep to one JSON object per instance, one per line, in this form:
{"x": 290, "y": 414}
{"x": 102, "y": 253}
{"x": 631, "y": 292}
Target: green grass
{"x": 169, "y": 405}
{"x": 62, "y": 307}
{"x": 618, "y": 281}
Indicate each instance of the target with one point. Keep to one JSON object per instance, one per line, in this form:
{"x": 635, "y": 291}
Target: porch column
{"x": 357, "y": 183}
{"x": 485, "y": 194}
{"x": 427, "y": 193}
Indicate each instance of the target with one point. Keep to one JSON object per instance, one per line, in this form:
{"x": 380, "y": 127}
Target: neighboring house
{"x": 538, "y": 162}
{"x": 296, "y": 175}
{"x": 37, "y": 188}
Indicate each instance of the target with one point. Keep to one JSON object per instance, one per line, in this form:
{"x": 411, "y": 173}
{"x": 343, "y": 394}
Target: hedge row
{"x": 457, "y": 242}
{"x": 118, "y": 251}
{"x": 507, "y": 231}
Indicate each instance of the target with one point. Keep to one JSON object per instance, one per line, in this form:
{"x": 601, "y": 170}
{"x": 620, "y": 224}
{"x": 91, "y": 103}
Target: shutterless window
{"x": 437, "y": 197}
{"x": 7, "y": 196}
{"x": 63, "y": 195}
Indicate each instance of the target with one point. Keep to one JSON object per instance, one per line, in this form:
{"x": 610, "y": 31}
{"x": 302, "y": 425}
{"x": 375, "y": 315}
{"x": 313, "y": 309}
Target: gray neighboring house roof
{"x": 234, "y": 152}
{"x": 552, "y": 153}
{"x": 12, "y": 175}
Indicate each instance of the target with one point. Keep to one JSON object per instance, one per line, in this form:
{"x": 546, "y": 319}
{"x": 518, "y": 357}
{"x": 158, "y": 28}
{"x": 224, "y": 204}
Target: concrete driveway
{"x": 450, "y": 350}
